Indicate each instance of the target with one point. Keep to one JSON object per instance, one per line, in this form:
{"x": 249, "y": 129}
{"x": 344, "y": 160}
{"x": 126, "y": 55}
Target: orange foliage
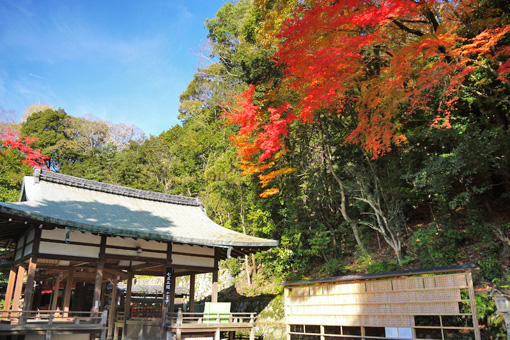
{"x": 386, "y": 59}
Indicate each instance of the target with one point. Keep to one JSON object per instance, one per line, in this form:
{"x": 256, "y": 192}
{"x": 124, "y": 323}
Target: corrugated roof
{"x": 113, "y": 210}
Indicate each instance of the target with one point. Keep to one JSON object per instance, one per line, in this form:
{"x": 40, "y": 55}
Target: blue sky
{"x": 120, "y": 60}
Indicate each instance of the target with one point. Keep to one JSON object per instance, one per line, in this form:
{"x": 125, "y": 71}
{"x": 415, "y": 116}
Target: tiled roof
{"x": 85, "y": 205}
{"x": 77, "y": 182}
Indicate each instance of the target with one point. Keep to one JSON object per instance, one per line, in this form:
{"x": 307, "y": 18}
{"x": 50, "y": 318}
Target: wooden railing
{"x": 50, "y": 317}
{"x": 181, "y": 318}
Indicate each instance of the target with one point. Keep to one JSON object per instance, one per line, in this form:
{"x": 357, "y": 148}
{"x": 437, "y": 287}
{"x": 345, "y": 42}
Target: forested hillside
{"x": 365, "y": 136}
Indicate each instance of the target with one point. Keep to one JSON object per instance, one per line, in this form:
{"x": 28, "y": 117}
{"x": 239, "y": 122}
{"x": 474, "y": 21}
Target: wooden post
{"x": 169, "y": 283}
{"x": 55, "y": 292}
{"x": 29, "y": 287}
{"x": 98, "y": 285}
{"x": 171, "y": 306}
{"x": 10, "y": 290}
{"x": 473, "y": 304}
{"x": 18, "y": 289}
{"x": 99, "y": 275}
{"x": 104, "y": 317}
{"x": 178, "y": 331}
{"x": 68, "y": 291}
{"x": 214, "y": 294}
{"x": 127, "y": 304}
{"x": 113, "y": 304}
{"x": 103, "y": 296}
{"x": 192, "y": 293}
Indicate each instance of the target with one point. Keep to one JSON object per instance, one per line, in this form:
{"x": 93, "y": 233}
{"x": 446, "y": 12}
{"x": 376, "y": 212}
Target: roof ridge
{"x": 78, "y": 182}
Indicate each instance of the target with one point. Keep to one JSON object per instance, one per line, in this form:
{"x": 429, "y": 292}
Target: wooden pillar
{"x": 99, "y": 275}
{"x": 55, "y": 292}
{"x": 18, "y": 289}
{"x": 192, "y": 293}
{"x": 36, "y": 302}
{"x": 214, "y": 294}
{"x": 103, "y": 296}
{"x": 111, "y": 312}
{"x": 10, "y": 290}
{"x": 29, "y": 287}
{"x": 471, "y": 289}
{"x": 127, "y": 304}
{"x": 68, "y": 291}
{"x": 77, "y": 302}
{"x": 98, "y": 285}
{"x": 169, "y": 286}
{"x": 171, "y": 306}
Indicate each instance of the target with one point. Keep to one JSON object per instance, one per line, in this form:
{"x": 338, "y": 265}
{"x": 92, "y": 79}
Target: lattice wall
{"x": 380, "y": 303}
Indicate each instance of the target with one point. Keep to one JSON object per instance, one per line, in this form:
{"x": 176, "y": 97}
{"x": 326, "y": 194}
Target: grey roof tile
{"x": 113, "y": 210}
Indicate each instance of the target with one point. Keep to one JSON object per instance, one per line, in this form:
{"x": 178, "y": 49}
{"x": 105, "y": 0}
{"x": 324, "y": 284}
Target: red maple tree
{"x": 14, "y": 141}
{"x": 387, "y": 60}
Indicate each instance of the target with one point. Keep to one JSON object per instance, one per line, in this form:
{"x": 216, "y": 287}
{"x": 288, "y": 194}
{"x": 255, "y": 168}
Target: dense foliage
{"x": 365, "y": 136}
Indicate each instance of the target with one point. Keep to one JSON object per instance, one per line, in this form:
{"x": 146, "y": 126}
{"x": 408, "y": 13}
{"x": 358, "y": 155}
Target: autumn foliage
{"x": 382, "y": 63}
{"x": 14, "y": 141}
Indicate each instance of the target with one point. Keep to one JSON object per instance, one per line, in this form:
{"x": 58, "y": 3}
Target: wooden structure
{"x": 68, "y": 231}
{"x": 433, "y": 303}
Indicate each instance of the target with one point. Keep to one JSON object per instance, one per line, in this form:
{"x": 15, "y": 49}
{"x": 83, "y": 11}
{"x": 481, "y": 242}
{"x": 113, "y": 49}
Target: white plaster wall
{"x": 133, "y": 252}
{"x": 139, "y": 243}
{"x": 68, "y": 249}
{"x": 183, "y": 248}
{"x": 28, "y": 249}
{"x": 75, "y": 236}
{"x": 20, "y": 242}
{"x": 193, "y": 261}
{"x": 30, "y": 236}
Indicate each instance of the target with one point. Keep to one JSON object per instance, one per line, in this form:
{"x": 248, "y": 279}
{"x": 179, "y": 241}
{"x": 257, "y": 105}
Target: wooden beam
{"x": 55, "y": 292}
{"x": 68, "y": 291}
{"x": 37, "y": 241}
{"x": 193, "y": 268}
{"x": 167, "y": 289}
{"x": 18, "y": 289}
{"x": 10, "y": 290}
{"x": 112, "y": 310}
{"x": 214, "y": 293}
{"x": 99, "y": 275}
{"x": 135, "y": 258}
{"x": 121, "y": 274}
{"x": 471, "y": 290}
{"x": 146, "y": 266}
{"x": 84, "y": 276}
{"x": 29, "y": 287}
{"x": 192, "y": 293}
{"x": 186, "y": 273}
{"x": 172, "y": 296}
{"x": 127, "y": 304}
